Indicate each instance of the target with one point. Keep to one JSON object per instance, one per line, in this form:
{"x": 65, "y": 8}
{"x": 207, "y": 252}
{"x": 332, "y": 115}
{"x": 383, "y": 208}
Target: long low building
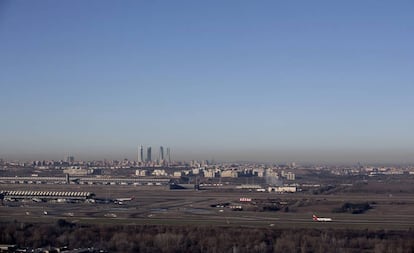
{"x": 281, "y": 189}
{"x": 46, "y": 195}
{"x": 160, "y": 181}
{"x": 85, "y": 180}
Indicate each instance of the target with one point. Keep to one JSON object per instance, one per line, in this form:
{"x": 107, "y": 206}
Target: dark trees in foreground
{"x": 162, "y": 238}
{"x": 354, "y": 208}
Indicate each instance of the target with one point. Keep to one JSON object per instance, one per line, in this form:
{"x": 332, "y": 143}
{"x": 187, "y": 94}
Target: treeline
{"x": 171, "y": 239}
{"x": 354, "y": 208}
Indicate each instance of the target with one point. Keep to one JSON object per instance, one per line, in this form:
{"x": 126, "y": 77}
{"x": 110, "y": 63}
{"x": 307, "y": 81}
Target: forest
{"x": 179, "y": 238}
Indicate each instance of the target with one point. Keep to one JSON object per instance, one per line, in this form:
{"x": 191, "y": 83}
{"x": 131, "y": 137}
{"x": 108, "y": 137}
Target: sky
{"x": 271, "y": 81}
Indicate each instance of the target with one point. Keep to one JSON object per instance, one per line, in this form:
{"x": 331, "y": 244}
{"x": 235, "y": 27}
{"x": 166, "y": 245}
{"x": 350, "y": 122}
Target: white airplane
{"x": 37, "y": 200}
{"x": 316, "y": 218}
{"x": 121, "y": 201}
{"x": 124, "y": 199}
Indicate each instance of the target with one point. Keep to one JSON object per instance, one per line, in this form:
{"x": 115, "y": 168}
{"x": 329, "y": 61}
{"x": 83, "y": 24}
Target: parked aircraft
{"x": 124, "y": 199}
{"x": 316, "y": 218}
{"x": 121, "y": 201}
{"x": 37, "y": 200}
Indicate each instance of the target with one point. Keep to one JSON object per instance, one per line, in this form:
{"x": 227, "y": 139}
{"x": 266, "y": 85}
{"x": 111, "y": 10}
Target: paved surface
{"x": 158, "y": 205}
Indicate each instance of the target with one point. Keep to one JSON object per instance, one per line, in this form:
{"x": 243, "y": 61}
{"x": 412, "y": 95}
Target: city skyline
{"x": 271, "y": 81}
{"x": 282, "y": 157}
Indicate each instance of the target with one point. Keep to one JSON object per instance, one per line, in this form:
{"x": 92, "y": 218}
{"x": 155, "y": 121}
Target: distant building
{"x": 149, "y": 159}
{"x": 272, "y": 177}
{"x": 70, "y": 159}
{"x": 168, "y": 155}
{"x": 290, "y": 176}
{"x": 260, "y": 172}
{"x": 77, "y": 171}
{"x": 229, "y": 173}
{"x": 161, "y": 153}
{"x": 159, "y": 173}
{"x": 141, "y": 154}
{"x": 141, "y": 173}
{"x": 209, "y": 173}
{"x": 249, "y": 186}
{"x": 178, "y": 173}
{"x": 281, "y": 189}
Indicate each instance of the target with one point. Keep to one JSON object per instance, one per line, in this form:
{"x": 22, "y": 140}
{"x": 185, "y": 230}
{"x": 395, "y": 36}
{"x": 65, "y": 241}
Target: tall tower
{"x": 149, "y": 154}
{"x": 141, "y": 154}
{"x": 70, "y": 159}
{"x": 168, "y": 155}
{"x": 161, "y": 153}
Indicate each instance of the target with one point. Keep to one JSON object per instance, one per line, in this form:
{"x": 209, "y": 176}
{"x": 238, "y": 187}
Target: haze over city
{"x": 318, "y": 81}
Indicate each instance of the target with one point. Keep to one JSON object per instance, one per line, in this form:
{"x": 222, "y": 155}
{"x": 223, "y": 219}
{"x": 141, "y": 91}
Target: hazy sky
{"x": 229, "y": 80}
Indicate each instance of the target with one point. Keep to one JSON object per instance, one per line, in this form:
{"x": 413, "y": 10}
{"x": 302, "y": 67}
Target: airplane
{"x": 121, "y": 201}
{"x": 316, "y": 218}
{"x": 124, "y": 199}
{"x": 37, "y": 200}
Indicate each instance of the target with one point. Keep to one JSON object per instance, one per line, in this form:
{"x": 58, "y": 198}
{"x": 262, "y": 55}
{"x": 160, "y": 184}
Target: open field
{"x": 159, "y": 205}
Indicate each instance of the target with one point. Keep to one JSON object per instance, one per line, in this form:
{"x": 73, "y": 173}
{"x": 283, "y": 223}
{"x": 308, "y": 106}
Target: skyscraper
{"x": 141, "y": 154}
{"x": 70, "y": 159}
{"x": 161, "y": 154}
{"x": 168, "y": 155}
{"x": 149, "y": 154}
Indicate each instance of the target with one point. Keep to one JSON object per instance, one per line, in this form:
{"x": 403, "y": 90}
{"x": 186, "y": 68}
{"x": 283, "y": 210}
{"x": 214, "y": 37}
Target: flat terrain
{"x": 159, "y": 205}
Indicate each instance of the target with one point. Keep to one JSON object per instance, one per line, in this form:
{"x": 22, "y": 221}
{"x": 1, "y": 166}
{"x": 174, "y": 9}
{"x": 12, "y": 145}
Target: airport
{"x": 200, "y": 195}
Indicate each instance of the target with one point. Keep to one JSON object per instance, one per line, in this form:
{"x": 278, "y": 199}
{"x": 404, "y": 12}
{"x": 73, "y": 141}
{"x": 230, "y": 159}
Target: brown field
{"x": 159, "y": 205}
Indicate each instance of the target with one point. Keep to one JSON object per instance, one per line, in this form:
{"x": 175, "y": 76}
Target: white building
{"x": 281, "y": 189}
{"x": 290, "y": 176}
{"x": 77, "y": 171}
{"x": 159, "y": 173}
{"x": 229, "y": 173}
{"x": 177, "y": 173}
{"x": 141, "y": 173}
{"x": 209, "y": 173}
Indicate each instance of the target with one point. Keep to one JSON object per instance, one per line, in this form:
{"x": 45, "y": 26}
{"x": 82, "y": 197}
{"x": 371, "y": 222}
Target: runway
{"x": 161, "y": 206}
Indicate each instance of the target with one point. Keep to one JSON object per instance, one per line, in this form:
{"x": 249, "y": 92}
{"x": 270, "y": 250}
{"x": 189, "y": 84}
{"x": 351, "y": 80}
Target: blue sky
{"x": 230, "y": 80}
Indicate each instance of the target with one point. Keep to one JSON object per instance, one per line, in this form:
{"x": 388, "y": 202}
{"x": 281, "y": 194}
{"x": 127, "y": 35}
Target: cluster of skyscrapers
{"x": 162, "y": 157}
